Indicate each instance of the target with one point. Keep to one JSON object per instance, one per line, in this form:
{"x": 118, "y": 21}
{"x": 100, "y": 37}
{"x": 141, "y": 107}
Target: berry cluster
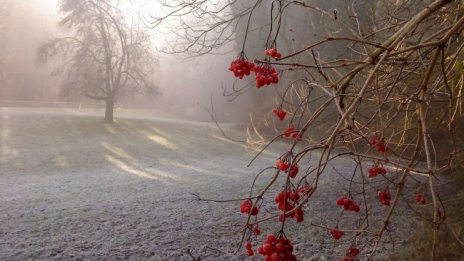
{"x": 282, "y": 165}
{"x": 336, "y": 234}
{"x": 290, "y": 132}
{"x": 279, "y": 113}
{"x": 265, "y": 75}
{"x": 284, "y": 205}
{"x": 241, "y": 67}
{"x": 246, "y": 208}
{"x": 272, "y": 53}
{"x": 275, "y": 249}
{"x": 348, "y": 204}
{"x": 249, "y": 249}
{"x": 304, "y": 189}
{"x": 384, "y": 197}
{"x": 420, "y": 199}
{"x": 375, "y": 170}
{"x": 292, "y": 170}
{"x": 351, "y": 253}
{"x": 379, "y": 144}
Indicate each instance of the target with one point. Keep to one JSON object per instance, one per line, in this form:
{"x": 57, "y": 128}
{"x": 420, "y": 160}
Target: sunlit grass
{"x": 7, "y": 153}
{"x": 117, "y": 151}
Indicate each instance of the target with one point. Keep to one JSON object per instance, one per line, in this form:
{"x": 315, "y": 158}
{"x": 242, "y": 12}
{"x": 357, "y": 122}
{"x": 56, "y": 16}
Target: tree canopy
{"x": 104, "y": 56}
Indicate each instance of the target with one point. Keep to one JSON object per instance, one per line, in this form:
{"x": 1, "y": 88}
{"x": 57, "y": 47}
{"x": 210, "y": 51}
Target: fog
{"x": 193, "y": 86}
{"x": 24, "y": 27}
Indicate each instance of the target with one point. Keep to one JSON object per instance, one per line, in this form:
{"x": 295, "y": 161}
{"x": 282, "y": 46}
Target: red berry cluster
{"x": 290, "y": 132}
{"x": 249, "y": 249}
{"x": 304, "y": 189}
{"x": 282, "y": 165}
{"x": 384, "y": 197}
{"x": 375, "y": 170}
{"x": 350, "y": 254}
{"x": 294, "y": 136}
{"x": 279, "y": 113}
{"x": 379, "y": 144}
{"x": 420, "y": 199}
{"x": 277, "y": 249}
{"x": 272, "y": 53}
{"x": 348, "y": 204}
{"x": 265, "y": 75}
{"x": 241, "y": 67}
{"x": 292, "y": 170}
{"x": 246, "y": 208}
{"x": 285, "y": 205}
{"x": 336, "y": 234}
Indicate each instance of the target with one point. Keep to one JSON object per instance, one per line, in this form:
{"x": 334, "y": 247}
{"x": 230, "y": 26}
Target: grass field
{"x": 74, "y": 188}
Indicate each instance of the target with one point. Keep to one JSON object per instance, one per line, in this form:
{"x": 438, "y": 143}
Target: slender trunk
{"x": 109, "y": 109}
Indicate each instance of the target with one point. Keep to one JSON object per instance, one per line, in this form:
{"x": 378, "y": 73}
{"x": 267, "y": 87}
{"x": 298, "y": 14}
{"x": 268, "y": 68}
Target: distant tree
{"x": 104, "y": 57}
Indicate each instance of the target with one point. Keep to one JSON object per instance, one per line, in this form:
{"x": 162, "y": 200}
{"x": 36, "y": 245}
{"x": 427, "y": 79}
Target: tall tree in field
{"x": 104, "y": 57}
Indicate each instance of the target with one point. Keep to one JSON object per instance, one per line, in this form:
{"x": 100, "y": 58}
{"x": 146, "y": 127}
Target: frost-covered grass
{"x": 73, "y": 188}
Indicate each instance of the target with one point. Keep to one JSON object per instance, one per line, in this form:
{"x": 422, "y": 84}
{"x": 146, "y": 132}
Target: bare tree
{"x": 379, "y": 83}
{"x": 105, "y": 57}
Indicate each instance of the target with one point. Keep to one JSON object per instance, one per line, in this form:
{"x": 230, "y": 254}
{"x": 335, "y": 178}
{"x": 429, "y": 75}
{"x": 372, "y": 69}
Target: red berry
{"x": 352, "y": 252}
{"x": 373, "y": 141}
{"x": 275, "y": 256}
{"x": 384, "y": 197}
{"x": 380, "y": 146}
{"x": 293, "y": 196}
{"x": 382, "y": 170}
{"x": 254, "y": 211}
{"x": 288, "y": 131}
{"x": 336, "y": 234}
{"x": 265, "y": 75}
{"x": 279, "y": 113}
{"x": 241, "y": 67}
{"x": 305, "y": 189}
{"x": 293, "y": 171}
{"x": 372, "y": 172}
{"x": 245, "y": 206}
{"x": 256, "y": 230}
{"x": 271, "y": 237}
{"x": 281, "y": 165}
{"x": 279, "y": 198}
{"x": 267, "y": 248}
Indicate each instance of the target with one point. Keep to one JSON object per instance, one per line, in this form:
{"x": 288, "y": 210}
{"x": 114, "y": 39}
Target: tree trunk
{"x": 109, "y": 110}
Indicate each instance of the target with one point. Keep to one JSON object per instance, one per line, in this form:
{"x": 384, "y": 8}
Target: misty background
{"x": 194, "y": 82}
{"x": 187, "y": 85}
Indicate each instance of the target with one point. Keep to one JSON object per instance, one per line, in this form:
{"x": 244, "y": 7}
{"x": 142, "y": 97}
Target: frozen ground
{"x": 73, "y": 188}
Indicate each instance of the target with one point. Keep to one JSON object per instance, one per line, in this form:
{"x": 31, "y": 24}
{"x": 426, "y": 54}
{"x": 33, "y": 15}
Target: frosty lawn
{"x": 73, "y": 188}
